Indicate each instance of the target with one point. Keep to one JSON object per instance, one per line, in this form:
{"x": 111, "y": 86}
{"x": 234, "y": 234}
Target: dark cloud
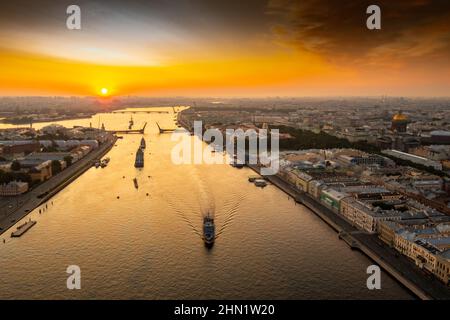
{"x": 237, "y": 16}
{"x": 411, "y": 29}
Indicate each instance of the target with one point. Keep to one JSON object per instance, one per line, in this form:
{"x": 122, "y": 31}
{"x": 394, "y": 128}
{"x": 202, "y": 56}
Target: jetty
{"x": 23, "y": 228}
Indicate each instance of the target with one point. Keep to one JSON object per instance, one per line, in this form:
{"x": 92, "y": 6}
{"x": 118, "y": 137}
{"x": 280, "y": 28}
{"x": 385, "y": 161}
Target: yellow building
{"x": 386, "y": 230}
{"x": 299, "y": 179}
{"x": 443, "y": 267}
{"x": 42, "y": 171}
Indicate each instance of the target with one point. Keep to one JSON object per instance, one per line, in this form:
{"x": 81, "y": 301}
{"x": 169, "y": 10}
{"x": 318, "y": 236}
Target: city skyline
{"x": 199, "y": 48}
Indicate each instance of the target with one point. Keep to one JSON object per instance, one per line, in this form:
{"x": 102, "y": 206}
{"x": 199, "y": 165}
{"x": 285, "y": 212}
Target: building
{"x": 399, "y": 123}
{"x": 443, "y": 267}
{"x": 53, "y": 129}
{"x": 384, "y": 142}
{"x": 14, "y": 150}
{"x": 332, "y": 199}
{"x": 430, "y": 183}
{"x": 427, "y": 244}
{"x": 58, "y": 156}
{"x": 386, "y": 232}
{"x": 41, "y": 172}
{"x": 415, "y": 159}
{"x": 68, "y": 144}
{"x": 367, "y": 160}
{"x": 364, "y": 216}
{"x": 315, "y": 187}
{"x": 299, "y": 179}
{"x": 440, "y": 137}
{"x": 13, "y": 188}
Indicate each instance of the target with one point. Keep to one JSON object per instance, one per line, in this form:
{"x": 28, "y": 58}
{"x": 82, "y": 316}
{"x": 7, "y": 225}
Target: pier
{"x": 22, "y": 229}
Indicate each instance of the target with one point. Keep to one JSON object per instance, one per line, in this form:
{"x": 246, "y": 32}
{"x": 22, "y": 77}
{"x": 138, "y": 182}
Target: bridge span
{"x": 137, "y": 131}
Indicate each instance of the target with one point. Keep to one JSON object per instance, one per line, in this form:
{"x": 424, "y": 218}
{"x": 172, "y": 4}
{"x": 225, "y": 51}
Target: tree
{"x": 15, "y": 165}
{"x": 68, "y": 160}
{"x": 7, "y": 177}
{"x": 50, "y": 149}
{"x": 56, "y": 166}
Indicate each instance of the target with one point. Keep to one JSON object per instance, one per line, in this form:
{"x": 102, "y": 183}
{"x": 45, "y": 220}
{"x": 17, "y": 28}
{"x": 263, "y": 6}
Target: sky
{"x": 225, "y": 48}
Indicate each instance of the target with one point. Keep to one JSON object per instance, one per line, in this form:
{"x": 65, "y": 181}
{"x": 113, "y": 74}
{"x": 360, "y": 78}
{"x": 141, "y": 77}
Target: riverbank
{"x": 15, "y": 122}
{"x": 424, "y": 286}
{"x": 15, "y": 209}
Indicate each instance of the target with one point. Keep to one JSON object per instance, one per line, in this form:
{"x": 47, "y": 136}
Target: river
{"x": 147, "y": 243}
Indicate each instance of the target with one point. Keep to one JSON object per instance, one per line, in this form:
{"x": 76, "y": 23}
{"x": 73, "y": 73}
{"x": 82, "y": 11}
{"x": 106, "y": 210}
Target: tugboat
{"x": 139, "y": 162}
{"x": 209, "y": 233}
{"x": 143, "y": 143}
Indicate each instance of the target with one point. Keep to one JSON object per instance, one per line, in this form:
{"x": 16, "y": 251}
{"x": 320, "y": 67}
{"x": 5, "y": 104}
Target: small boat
{"x": 253, "y": 178}
{"x": 260, "y": 183}
{"x": 135, "y": 183}
{"x": 139, "y": 161}
{"x": 143, "y": 145}
{"x": 97, "y": 164}
{"x": 209, "y": 233}
{"x": 237, "y": 164}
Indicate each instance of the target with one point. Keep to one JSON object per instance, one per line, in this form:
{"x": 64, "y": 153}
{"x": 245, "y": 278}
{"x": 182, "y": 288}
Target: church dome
{"x": 399, "y": 117}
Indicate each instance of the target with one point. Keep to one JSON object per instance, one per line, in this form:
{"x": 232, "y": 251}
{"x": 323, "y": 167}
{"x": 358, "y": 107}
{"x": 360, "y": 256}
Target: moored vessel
{"x": 139, "y": 161}
{"x": 142, "y": 145}
{"x": 260, "y": 183}
{"x": 209, "y": 232}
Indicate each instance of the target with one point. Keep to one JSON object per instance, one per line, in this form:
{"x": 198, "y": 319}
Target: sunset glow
{"x": 266, "y": 52}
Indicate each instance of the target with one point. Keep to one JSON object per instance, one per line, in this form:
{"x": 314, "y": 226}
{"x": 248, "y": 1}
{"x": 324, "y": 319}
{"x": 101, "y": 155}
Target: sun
{"x": 104, "y": 91}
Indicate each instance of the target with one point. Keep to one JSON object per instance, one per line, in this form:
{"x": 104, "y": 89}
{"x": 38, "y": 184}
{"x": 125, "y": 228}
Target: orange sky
{"x": 265, "y": 53}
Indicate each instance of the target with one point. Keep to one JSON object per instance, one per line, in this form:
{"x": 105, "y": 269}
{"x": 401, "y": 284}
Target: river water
{"x": 147, "y": 243}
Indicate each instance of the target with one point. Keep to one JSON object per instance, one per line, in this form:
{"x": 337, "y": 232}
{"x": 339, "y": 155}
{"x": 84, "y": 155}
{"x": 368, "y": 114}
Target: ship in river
{"x": 131, "y": 123}
{"x": 139, "y": 162}
{"x": 142, "y": 143}
{"x": 209, "y": 231}
{"x": 135, "y": 183}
